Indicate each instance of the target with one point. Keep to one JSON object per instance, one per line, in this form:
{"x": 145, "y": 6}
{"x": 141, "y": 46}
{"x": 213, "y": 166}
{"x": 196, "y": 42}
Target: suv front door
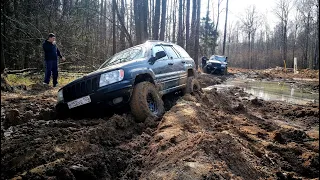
{"x": 163, "y": 69}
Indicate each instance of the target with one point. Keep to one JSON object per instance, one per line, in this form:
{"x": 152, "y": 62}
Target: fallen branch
{"x": 21, "y": 71}
{"x": 60, "y": 64}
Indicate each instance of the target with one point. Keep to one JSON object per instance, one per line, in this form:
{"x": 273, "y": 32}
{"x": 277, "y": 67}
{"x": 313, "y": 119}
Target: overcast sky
{"x": 237, "y": 9}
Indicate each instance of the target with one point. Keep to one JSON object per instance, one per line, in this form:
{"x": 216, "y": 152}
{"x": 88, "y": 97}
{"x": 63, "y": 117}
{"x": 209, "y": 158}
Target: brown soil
{"x": 279, "y": 73}
{"x": 207, "y": 135}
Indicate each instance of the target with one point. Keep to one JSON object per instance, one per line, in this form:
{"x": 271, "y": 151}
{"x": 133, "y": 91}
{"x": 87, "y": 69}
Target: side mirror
{"x": 160, "y": 55}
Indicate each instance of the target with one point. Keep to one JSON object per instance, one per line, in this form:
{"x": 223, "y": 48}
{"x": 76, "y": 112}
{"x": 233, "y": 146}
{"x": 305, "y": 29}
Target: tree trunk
{"x": 180, "y": 37}
{"x": 225, "y": 30}
{"x": 193, "y": 28}
{"x": 174, "y": 23}
{"x": 122, "y": 34}
{"x": 196, "y": 54}
{"x": 114, "y": 44}
{"x": 188, "y": 26}
{"x": 218, "y": 15}
{"x": 144, "y": 17}
{"x": 156, "y": 20}
{"x": 137, "y": 20}
{"x": 163, "y": 19}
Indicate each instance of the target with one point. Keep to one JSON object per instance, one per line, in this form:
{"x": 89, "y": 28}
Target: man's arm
{"x": 58, "y": 52}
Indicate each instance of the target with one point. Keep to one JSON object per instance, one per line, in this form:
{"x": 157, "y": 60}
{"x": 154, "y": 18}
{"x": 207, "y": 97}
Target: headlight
{"x": 223, "y": 65}
{"x": 60, "y": 95}
{"x": 111, "y": 77}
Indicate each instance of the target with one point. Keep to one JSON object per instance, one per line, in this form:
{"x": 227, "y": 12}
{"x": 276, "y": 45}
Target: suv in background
{"x": 216, "y": 64}
{"x": 139, "y": 75}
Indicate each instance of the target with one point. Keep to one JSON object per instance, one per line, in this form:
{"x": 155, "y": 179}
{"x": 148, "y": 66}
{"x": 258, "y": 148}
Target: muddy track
{"x": 208, "y": 135}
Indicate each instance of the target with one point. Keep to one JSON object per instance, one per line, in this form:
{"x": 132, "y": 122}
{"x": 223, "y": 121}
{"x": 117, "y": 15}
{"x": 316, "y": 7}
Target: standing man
{"x": 204, "y": 61}
{"x": 51, "y": 53}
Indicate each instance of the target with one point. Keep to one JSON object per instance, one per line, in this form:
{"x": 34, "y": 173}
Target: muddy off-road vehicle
{"x": 139, "y": 76}
{"x": 216, "y": 64}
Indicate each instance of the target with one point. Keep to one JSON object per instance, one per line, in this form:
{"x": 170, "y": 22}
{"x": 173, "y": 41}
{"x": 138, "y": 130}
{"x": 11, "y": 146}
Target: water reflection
{"x": 267, "y": 90}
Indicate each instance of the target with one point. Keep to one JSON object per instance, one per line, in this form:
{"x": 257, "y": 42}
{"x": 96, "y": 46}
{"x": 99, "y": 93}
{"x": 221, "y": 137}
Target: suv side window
{"x": 170, "y": 52}
{"x": 181, "y": 51}
{"x": 156, "y": 49}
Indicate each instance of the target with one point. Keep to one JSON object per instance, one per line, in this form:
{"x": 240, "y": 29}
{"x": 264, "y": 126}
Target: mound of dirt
{"x": 203, "y": 137}
{"x": 206, "y": 80}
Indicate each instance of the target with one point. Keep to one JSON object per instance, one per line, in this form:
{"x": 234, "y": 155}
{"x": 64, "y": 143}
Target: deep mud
{"x": 207, "y": 135}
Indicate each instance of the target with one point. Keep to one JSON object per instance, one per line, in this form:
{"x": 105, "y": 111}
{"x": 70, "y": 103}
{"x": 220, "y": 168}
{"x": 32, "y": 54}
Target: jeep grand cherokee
{"x": 139, "y": 75}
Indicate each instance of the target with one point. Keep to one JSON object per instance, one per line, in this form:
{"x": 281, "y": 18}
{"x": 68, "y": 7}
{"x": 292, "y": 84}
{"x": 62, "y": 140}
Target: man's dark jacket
{"x": 51, "y": 51}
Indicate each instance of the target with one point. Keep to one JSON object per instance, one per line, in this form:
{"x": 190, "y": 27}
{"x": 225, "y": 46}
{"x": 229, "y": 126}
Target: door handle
{"x": 183, "y": 61}
{"x": 170, "y": 63}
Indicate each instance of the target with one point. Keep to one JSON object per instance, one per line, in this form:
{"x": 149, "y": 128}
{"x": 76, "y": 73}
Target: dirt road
{"x": 207, "y": 135}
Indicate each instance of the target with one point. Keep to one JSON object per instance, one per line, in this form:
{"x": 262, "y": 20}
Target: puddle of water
{"x": 270, "y": 90}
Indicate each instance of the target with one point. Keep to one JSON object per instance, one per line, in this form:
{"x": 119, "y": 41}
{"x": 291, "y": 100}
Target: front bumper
{"x": 105, "y": 95}
{"x": 211, "y": 68}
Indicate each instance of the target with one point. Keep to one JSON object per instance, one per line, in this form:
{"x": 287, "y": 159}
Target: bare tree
{"x": 163, "y": 19}
{"x": 225, "y": 29}
{"x": 141, "y": 12}
{"x": 187, "y": 25}
{"x": 180, "y": 30}
{"x": 282, "y": 12}
{"x": 156, "y": 20}
{"x": 218, "y": 14}
{"x": 250, "y": 23}
{"x": 174, "y": 20}
{"x": 114, "y": 44}
{"x": 193, "y": 28}
{"x": 196, "y": 46}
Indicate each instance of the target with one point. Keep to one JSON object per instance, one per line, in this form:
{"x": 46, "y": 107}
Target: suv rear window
{"x": 181, "y": 51}
{"x": 171, "y": 53}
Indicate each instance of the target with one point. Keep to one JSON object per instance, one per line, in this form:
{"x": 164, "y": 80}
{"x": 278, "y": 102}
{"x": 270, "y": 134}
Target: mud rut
{"x": 208, "y": 135}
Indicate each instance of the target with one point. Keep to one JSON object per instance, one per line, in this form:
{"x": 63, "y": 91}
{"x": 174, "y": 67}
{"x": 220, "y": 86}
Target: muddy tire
{"x": 225, "y": 72}
{"x": 193, "y": 85}
{"x": 146, "y": 102}
{"x": 205, "y": 70}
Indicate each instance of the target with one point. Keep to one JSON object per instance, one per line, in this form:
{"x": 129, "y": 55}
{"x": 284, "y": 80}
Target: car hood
{"x": 106, "y": 69}
{"x": 216, "y": 61}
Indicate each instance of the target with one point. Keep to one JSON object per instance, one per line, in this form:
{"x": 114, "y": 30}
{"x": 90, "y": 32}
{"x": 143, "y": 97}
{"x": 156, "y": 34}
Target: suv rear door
{"x": 174, "y": 79}
{"x": 183, "y": 63}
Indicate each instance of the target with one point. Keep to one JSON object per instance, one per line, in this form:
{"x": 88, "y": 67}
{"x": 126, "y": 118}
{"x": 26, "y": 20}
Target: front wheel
{"x": 193, "y": 85}
{"x": 226, "y": 71}
{"x": 146, "y": 101}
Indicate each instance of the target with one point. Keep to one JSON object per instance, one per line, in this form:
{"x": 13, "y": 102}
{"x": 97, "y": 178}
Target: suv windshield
{"x": 125, "y": 56}
{"x": 219, "y": 58}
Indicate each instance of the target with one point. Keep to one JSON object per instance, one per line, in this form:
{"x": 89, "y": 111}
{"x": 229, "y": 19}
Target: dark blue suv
{"x": 139, "y": 75}
{"x": 216, "y": 64}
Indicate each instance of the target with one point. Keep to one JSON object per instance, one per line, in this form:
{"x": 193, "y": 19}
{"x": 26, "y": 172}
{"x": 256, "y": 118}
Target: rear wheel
{"x": 193, "y": 85}
{"x": 146, "y": 101}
